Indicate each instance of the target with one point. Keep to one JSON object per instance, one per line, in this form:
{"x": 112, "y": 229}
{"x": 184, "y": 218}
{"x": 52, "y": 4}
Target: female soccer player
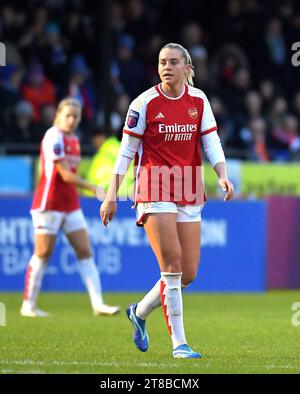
{"x": 56, "y": 206}
{"x": 162, "y": 131}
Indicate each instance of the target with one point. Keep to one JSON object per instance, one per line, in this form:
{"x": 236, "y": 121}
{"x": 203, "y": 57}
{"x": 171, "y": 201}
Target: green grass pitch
{"x": 236, "y": 333}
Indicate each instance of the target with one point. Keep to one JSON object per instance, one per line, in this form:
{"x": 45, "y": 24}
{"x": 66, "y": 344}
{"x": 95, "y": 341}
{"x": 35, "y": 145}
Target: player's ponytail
{"x": 63, "y": 103}
{"x": 188, "y": 60}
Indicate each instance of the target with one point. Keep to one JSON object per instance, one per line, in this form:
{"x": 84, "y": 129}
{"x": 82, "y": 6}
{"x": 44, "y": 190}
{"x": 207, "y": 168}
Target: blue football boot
{"x": 184, "y": 351}
{"x": 140, "y": 336}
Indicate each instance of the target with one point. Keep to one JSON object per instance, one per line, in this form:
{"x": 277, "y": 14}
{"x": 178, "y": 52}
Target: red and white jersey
{"x": 170, "y": 130}
{"x": 52, "y": 192}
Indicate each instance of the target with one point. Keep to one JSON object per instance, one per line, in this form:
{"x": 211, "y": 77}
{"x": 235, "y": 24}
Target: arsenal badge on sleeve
{"x": 57, "y": 149}
{"x": 133, "y": 118}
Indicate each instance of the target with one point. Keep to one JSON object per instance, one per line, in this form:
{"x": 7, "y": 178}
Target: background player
{"x": 56, "y": 206}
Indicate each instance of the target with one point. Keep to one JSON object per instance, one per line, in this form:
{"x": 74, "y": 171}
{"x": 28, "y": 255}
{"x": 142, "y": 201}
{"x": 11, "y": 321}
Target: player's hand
{"x": 107, "y": 211}
{"x": 227, "y": 187}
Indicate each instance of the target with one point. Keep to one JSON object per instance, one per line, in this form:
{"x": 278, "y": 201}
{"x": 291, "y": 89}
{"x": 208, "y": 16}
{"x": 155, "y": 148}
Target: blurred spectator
{"x": 10, "y": 24}
{"x": 286, "y": 9}
{"x": 118, "y": 22}
{"x": 234, "y": 95}
{"x": 80, "y": 88}
{"x": 254, "y": 139}
{"x": 20, "y": 128}
{"x": 199, "y": 58}
{"x": 253, "y": 103}
{"x": 258, "y": 129}
{"x": 46, "y": 121}
{"x": 38, "y": 90}
{"x": 53, "y": 55}
{"x": 117, "y": 118}
{"x": 232, "y": 27}
{"x": 227, "y": 61}
{"x": 288, "y": 138}
{"x": 120, "y": 112}
{"x": 275, "y": 42}
{"x": 277, "y": 112}
{"x": 10, "y": 80}
{"x": 72, "y": 30}
{"x": 32, "y": 38}
{"x": 156, "y": 42}
{"x": 267, "y": 93}
{"x": 241, "y": 56}
{"x": 128, "y": 68}
{"x": 192, "y": 38}
{"x": 225, "y": 125}
{"x": 137, "y": 25}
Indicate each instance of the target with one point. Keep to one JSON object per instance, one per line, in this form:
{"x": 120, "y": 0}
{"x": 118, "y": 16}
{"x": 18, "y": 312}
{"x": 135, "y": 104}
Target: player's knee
{"x": 172, "y": 262}
{"x": 83, "y": 253}
{"x": 43, "y": 255}
{"x": 188, "y": 278}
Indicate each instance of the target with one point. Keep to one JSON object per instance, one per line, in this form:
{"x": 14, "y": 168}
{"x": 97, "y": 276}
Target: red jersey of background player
{"x": 52, "y": 192}
{"x": 170, "y": 131}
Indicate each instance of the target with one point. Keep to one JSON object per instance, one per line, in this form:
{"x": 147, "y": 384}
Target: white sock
{"x": 91, "y": 278}
{"x": 149, "y": 302}
{"x": 33, "y": 280}
{"x": 171, "y": 300}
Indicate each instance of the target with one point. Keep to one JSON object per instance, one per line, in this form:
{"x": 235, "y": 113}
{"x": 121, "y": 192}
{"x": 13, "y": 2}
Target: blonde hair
{"x": 187, "y": 58}
{"x": 63, "y": 103}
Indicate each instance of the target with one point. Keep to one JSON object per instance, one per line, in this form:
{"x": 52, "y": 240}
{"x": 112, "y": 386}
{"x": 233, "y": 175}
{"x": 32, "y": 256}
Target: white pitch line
{"x": 282, "y": 366}
{"x": 10, "y": 371}
{"x": 86, "y": 363}
{"x": 108, "y": 364}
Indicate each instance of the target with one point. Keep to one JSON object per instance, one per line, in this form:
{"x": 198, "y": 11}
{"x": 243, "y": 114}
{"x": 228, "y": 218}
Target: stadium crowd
{"x": 241, "y": 52}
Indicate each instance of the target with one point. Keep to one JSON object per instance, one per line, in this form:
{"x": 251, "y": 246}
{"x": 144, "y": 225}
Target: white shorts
{"x": 185, "y": 213}
{"x": 50, "y": 222}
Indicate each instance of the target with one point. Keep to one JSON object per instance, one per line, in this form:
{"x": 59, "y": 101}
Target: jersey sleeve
{"x": 213, "y": 148}
{"x": 135, "y": 123}
{"x": 208, "y": 124}
{"x": 53, "y": 146}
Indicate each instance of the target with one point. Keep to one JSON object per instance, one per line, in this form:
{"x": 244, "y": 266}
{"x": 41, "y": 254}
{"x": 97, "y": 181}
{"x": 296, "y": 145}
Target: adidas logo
{"x": 159, "y": 116}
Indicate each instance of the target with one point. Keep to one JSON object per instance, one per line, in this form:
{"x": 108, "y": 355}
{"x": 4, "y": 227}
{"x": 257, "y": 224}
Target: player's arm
{"x": 129, "y": 147}
{"x": 213, "y": 148}
{"x": 133, "y": 131}
{"x": 215, "y": 154}
{"x": 68, "y": 176}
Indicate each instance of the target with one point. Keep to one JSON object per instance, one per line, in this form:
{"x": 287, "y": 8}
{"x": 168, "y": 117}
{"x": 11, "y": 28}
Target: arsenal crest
{"x": 193, "y": 112}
